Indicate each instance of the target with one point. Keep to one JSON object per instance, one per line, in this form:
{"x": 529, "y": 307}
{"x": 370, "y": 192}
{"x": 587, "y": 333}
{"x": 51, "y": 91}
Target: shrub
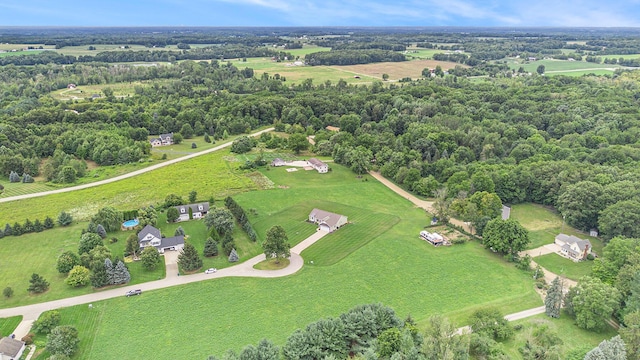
{"x": 7, "y": 292}
{"x": 590, "y": 256}
{"x": 64, "y": 219}
{"x": 47, "y": 321}
{"x": 28, "y": 339}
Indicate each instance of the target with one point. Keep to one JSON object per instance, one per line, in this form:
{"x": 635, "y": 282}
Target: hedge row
{"x": 27, "y": 227}
{"x": 241, "y": 217}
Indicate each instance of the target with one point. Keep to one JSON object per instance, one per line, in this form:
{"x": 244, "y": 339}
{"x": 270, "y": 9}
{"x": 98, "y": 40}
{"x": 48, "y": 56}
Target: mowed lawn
{"x": 210, "y": 175}
{"x": 7, "y": 325}
{"x": 573, "y": 338}
{"x": 563, "y": 266}
{"x": 393, "y": 267}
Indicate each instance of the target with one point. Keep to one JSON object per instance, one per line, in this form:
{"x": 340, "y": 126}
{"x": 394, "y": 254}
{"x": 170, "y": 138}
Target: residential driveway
{"x": 171, "y": 263}
{"x": 542, "y": 250}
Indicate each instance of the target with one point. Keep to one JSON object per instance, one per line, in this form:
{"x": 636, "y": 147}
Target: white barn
{"x": 320, "y": 166}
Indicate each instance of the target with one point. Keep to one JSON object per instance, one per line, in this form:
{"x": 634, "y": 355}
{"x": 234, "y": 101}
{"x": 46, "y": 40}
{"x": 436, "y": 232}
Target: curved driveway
{"x": 127, "y": 175}
{"x": 31, "y": 312}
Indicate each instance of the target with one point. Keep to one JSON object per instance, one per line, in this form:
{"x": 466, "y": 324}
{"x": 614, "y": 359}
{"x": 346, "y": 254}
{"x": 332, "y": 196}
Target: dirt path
{"x": 548, "y": 275}
{"x": 31, "y": 312}
{"x": 423, "y": 204}
{"x": 127, "y": 175}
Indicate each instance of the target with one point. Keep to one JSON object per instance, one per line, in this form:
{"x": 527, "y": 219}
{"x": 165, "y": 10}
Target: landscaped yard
{"x": 394, "y": 267}
{"x": 544, "y": 224}
{"x": 573, "y": 337}
{"x": 563, "y": 266}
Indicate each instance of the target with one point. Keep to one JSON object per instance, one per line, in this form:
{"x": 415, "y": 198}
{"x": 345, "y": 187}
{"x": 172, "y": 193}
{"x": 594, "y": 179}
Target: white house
{"x": 278, "y": 162}
{"x": 11, "y": 349}
{"x": 162, "y": 140}
{"x": 320, "y": 166}
{"x": 197, "y": 210}
{"x": 150, "y": 236}
{"x": 573, "y": 247}
{"x": 327, "y": 221}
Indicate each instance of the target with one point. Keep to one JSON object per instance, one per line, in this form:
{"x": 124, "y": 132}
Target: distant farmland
{"x": 397, "y": 70}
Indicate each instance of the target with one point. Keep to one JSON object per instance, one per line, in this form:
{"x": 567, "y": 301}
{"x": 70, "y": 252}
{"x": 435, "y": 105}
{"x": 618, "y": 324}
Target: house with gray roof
{"x": 162, "y": 140}
{"x": 327, "y": 221}
{"x": 197, "y": 211}
{"x": 320, "y": 166}
{"x": 573, "y": 247}
{"x": 151, "y": 236}
{"x": 11, "y": 349}
{"x": 278, "y": 162}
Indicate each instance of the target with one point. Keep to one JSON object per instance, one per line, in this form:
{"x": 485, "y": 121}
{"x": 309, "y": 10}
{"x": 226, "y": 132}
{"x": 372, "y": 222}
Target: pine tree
{"x": 189, "y": 260}
{"x": 179, "y": 231}
{"x": 8, "y": 231}
{"x": 101, "y": 231}
{"x": 108, "y": 267}
{"x": 121, "y": 273}
{"x": 27, "y": 227}
{"x": 38, "y": 284}
{"x": 17, "y": 229}
{"x": 210, "y": 248}
{"x": 233, "y": 257}
{"x": 37, "y": 226}
{"x": 553, "y": 301}
{"x": 14, "y": 177}
{"x": 613, "y": 349}
{"x": 98, "y": 274}
{"x": 48, "y": 223}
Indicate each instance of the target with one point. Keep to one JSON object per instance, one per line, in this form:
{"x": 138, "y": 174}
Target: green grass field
{"x": 560, "y": 67}
{"x": 7, "y": 325}
{"x": 544, "y": 224}
{"x": 18, "y": 53}
{"x": 210, "y": 175}
{"x": 393, "y": 267}
{"x": 82, "y": 92}
{"x": 562, "y": 266}
{"x": 573, "y": 337}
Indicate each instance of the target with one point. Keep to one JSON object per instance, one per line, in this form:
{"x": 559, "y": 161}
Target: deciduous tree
{"x": 150, "y": 258}
{"x": 221, "y": 219}
{"x": 505, "y": 236}
{"x": 78, "y": 276}
{"x": 63, "y": 340}
{"x": 276, "y": 244}
{"x": 593, "y": 302}
{"x": 66, "y": 261}
{"x": 172, "y": 214}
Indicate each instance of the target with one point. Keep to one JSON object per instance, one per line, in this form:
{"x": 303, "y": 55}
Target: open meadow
{"x": 389, "y": 265}
{"x": 561, "y": 67}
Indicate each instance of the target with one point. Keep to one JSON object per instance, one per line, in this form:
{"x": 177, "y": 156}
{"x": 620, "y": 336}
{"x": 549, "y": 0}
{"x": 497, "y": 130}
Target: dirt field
{"x": 396, "y": 70}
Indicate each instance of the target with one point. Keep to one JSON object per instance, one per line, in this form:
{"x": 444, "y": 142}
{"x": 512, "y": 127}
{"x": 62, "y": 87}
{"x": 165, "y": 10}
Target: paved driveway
{"x": 171, "y": 262}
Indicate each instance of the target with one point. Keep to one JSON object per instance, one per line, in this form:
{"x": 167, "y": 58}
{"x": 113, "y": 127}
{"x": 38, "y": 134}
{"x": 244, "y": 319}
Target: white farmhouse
{"x": 150, "y": 236}
{"x": 573, "y": 247}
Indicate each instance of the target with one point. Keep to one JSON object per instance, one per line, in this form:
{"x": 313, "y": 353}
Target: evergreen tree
{"x": 48, "y": 223}
{"x": 108, "y": 267}
{"x": 179, "y": 231}
{"x": 613, "y": 349}
{"x": 193, "y": 195}
{"x": 101, "y": 231}
{"x": 64, "y": 219}
{"x": 99, "y": 277}
{"x": 1, "y": 233}
{"x": 37, "y": 284}
{"x": 14, "y": 177}
{"x": 189, "y": 260}
{"x": 8, "y": 231}
{"x": 233, "y": 256}
{"x": 27, "y": 227}
{"x": 553, "y": 301}
{"x": 37, "y": 226}
{"x": 17, "y": 229}
{"x": 210, "y": 248}
{"x": 121, "y": 274}
{"x": 172, "y": 214}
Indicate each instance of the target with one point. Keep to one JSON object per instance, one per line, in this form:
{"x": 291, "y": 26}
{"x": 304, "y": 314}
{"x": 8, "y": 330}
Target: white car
{"x": 210, "y": 271}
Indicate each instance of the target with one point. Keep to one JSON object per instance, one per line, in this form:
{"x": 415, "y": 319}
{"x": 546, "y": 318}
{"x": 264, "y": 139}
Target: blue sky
{"x": 618, "y": 13}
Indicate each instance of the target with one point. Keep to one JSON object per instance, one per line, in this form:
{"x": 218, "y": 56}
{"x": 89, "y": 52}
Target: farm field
{"x": 573, "y": 338}
{"x": 562, "y": 266}
{"x": 558, "y": 66}
{"x": 544, "y": 224}
{"x": 395, "y": 268}
{"x": 215, "y": 177}
{"x": 84, "y": 49}
{"x": 421, "y": 53}
{"x": 21, "y": 258}
{"x": 18, "y": 53}
{"x": 7, "y": 325}
{"x": 397, "y": 70}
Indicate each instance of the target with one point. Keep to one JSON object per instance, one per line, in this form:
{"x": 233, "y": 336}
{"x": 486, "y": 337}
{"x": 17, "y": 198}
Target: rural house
{"x": 11, "y": 349}
{"x": 278, "y": 162}
{"x": 573, "y": 247}
{"x": 197, "y": 211}
{"x": 150, "y": 236}
{"x": 71, "y": 86}
{"x": 327, "y": 221}
{"x": 320, "y": 166}
{"x": 162, "y": 140}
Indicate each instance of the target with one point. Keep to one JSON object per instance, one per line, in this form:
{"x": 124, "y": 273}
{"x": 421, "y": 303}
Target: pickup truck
{"x": 133, "y": 292}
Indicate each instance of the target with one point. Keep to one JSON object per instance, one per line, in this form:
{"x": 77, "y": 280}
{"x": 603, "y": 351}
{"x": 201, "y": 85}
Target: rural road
{"x": 31, "y": 312}
{"x": 128, "y": 175}
{"x": 423, "y": 204}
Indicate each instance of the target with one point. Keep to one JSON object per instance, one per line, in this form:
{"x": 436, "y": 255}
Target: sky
{"x": 508, "y": 13}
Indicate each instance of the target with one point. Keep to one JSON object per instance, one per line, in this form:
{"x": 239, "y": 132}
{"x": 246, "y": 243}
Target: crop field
{"x": 563, "y": 266}
{"x": 394, "y": 267}
{"x": 210, "y": 175}
{"x": 20, "y": 258}
{"x": 7, "y": 325}
{"x": 396, "y": 70}
{"x": 560, "y": 67}
{"x": 544, "y": 224}
{"x": 573, "y": 337}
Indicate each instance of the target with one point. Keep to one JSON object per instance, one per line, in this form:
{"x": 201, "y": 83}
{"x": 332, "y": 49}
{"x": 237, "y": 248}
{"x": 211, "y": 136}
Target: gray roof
{"x": 166, "y": 136}
{"x": 194, "y": 208}
{"x": 10, "y": 347}
{"x": 570, "y": 239}
{"x": 171, "y": 241}
{"x": 149, "y": 230}
{"x": 330, "y": 219}
{"x": 316, "y": 162}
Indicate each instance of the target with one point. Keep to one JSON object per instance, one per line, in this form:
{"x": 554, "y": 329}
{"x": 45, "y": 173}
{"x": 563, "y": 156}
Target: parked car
{"x": 210, "y": 271}
{"x": 133, "y": 292}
